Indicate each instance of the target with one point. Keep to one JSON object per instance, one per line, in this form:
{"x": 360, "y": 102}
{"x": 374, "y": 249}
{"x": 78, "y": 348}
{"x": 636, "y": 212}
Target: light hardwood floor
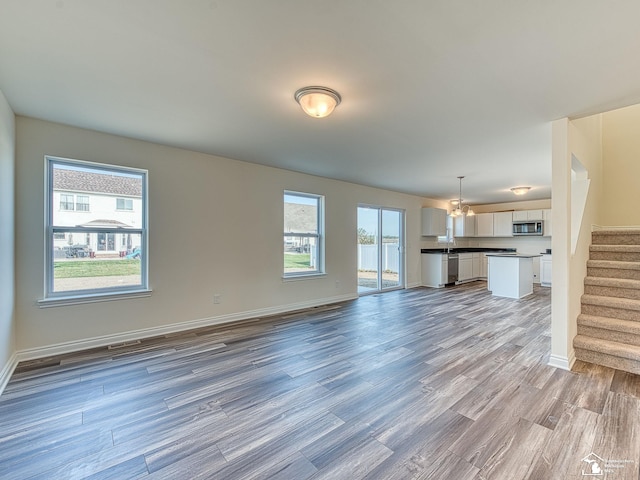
{"x": 422, "y": 383}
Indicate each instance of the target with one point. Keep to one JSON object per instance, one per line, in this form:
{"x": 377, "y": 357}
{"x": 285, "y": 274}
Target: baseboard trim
{"x": 105, "y": 340}
{"x": 7, "y": 371}
{"x": 565, "y": 363}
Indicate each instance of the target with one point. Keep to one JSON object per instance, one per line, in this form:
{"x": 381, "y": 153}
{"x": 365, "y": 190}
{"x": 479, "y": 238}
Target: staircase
{"x": 609, "y": 325}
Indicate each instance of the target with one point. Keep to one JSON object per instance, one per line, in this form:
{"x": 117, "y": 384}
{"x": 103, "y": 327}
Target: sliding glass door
{"x": 380, "y": 249}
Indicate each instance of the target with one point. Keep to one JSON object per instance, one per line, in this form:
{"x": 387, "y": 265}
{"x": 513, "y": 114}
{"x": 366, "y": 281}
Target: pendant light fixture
{"x": 317, "y": 102}
{"x": 462, "y": 209}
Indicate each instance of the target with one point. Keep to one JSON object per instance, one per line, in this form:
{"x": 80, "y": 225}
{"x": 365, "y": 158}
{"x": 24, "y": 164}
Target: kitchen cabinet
{"x": 511, "y": 275}
{"x": 546, "y": 216}
{"x": 435, "y": 269}
{"x": 534, "y": 215}
{"x": 503, "y": 224}
{"x": 434, "y": 222}
{"x": 465, "y": 267}
{"x": 519, "y": 215}
{"x": 527, "y": 215}
{"x": 464, "y": 226}
{"x": 484, "y": 265}
{"x": 484, "y": 225}
{"x": 545, "y": 270}
{"x": 475, "y": 272}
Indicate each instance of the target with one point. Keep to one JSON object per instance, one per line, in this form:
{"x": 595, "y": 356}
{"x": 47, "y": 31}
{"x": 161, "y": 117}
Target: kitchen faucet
{"x": 450, "y": 239}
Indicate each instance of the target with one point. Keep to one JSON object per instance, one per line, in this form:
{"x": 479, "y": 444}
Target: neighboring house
{"x": 92, "y": 200}
{"x": 299, "y": 218}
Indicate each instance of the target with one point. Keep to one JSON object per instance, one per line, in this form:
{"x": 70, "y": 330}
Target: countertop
{"x": 514, "y": 255}
{"x": 468, "y": 250}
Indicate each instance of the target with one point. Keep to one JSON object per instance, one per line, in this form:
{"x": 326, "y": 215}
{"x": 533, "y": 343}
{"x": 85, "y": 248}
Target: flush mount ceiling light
{"x": 317, "y": 102}
{"x": 461, "y": 209}
{"x": 520, "y": 190}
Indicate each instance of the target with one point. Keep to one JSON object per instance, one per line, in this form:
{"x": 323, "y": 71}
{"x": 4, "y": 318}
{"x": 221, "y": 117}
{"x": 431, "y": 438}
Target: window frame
{"x": 80, "y": 207}
{"x": 92, "y": 294}
{"x": 319, "y": 236}
{"x": 125, "y": 200}
{"x": 64, "y": 204}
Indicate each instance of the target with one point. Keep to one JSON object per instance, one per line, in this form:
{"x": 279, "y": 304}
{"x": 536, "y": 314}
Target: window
{"x": 303, "y": 234}
{"x": 66, "y": 201}
{"x": 103, "y": 250}
{"x": 448, "y": 238}
{"x": 124, "y": 204}
{"x": 82, "y": 203}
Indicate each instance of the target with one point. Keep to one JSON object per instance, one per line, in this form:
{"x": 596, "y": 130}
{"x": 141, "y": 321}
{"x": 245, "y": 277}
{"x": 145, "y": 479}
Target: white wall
{"x": 215, "y": 228}
{"x": 621, "y": 168}
{"x": 581, "y": 138}
{"x": 7, "y": 283}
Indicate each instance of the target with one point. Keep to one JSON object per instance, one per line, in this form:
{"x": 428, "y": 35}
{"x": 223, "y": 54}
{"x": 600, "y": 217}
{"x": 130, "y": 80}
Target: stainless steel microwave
{"x": 527, "y": 227}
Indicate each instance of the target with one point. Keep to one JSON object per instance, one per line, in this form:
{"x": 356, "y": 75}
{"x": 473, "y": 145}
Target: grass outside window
{"x": 95, "y": 268}
{"x": 297, "y": 261}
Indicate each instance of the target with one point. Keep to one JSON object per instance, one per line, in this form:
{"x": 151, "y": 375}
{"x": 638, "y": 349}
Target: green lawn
{"x": 297, "y": 260}
{"x": 95, "y": 268}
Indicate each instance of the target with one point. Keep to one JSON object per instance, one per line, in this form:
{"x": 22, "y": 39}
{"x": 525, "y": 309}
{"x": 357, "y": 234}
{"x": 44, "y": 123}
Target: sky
{"x": 368, "y": 219}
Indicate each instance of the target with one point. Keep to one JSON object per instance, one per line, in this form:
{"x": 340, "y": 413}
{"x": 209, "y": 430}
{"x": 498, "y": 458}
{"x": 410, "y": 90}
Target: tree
{"x": 364, "y": 237}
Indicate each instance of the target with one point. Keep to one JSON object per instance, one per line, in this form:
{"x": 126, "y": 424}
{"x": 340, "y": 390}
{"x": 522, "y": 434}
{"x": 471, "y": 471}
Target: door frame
{"x": 401, "y": 248}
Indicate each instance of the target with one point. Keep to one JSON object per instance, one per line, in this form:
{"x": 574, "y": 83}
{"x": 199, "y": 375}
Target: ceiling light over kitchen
{"x": 460, "y": 209}
{"x": 520, "y": 190}
{"x": 317, "y": 102}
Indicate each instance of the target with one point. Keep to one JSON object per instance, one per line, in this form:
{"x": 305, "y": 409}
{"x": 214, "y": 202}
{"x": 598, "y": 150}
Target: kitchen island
{"x": 510, "y": 275}
{"x": 470, "y": 264}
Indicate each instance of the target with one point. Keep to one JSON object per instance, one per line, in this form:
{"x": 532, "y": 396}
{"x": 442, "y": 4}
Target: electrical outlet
{"x": 216, "y": 298}
{"x": 337, "y": 283}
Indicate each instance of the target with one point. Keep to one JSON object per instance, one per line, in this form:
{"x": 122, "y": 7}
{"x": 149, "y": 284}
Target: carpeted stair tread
{"x": 619, "y": 253}
{"x": 611, "y": 302}
{"x": 612, "y": 282}
{"x": 615, "y": 248}
{"x": 613, "y": 264}
{"x": 616, "y": 237}
{"x": 607, "y": 323}
{"x": 617, "y": 231}
{"x": 607, "y": 347}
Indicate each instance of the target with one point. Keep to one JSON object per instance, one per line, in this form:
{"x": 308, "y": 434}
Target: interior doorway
{"x": 380, "y": 249}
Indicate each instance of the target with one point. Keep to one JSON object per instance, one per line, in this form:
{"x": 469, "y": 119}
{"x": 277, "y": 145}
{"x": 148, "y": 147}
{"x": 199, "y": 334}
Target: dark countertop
{"x": 468, "y": 250}
{"x": 513, "y": 255}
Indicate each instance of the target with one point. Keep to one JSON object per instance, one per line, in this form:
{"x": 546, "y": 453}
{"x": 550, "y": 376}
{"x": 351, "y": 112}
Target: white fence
{"x": 368, "y": 257}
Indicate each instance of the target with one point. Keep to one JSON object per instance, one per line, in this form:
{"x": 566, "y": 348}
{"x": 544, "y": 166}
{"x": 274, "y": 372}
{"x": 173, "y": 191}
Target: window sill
{"x": 303, "y": 276}
{"x": 92, "y": 298}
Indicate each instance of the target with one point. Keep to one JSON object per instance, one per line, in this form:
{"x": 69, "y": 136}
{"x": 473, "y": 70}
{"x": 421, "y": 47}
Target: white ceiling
{"x": 431, "y": 89}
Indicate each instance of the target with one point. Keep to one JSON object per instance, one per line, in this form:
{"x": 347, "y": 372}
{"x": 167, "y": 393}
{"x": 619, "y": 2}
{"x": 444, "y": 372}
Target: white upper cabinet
{"x": 434, "y": 222}
{"x": 484, "y": 225}
{"x": 519, "y": 215}
{"x": 534, "y": 214}
{"x": 527, "y": 215}
{"x": 464, "y": 226}
{"x": 503, "y": 224}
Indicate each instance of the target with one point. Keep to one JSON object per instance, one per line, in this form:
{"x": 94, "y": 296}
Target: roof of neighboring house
{"x": 300, "y": 218}
{"x": 83, "y": 181}
{"x": 105, "y": 223}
